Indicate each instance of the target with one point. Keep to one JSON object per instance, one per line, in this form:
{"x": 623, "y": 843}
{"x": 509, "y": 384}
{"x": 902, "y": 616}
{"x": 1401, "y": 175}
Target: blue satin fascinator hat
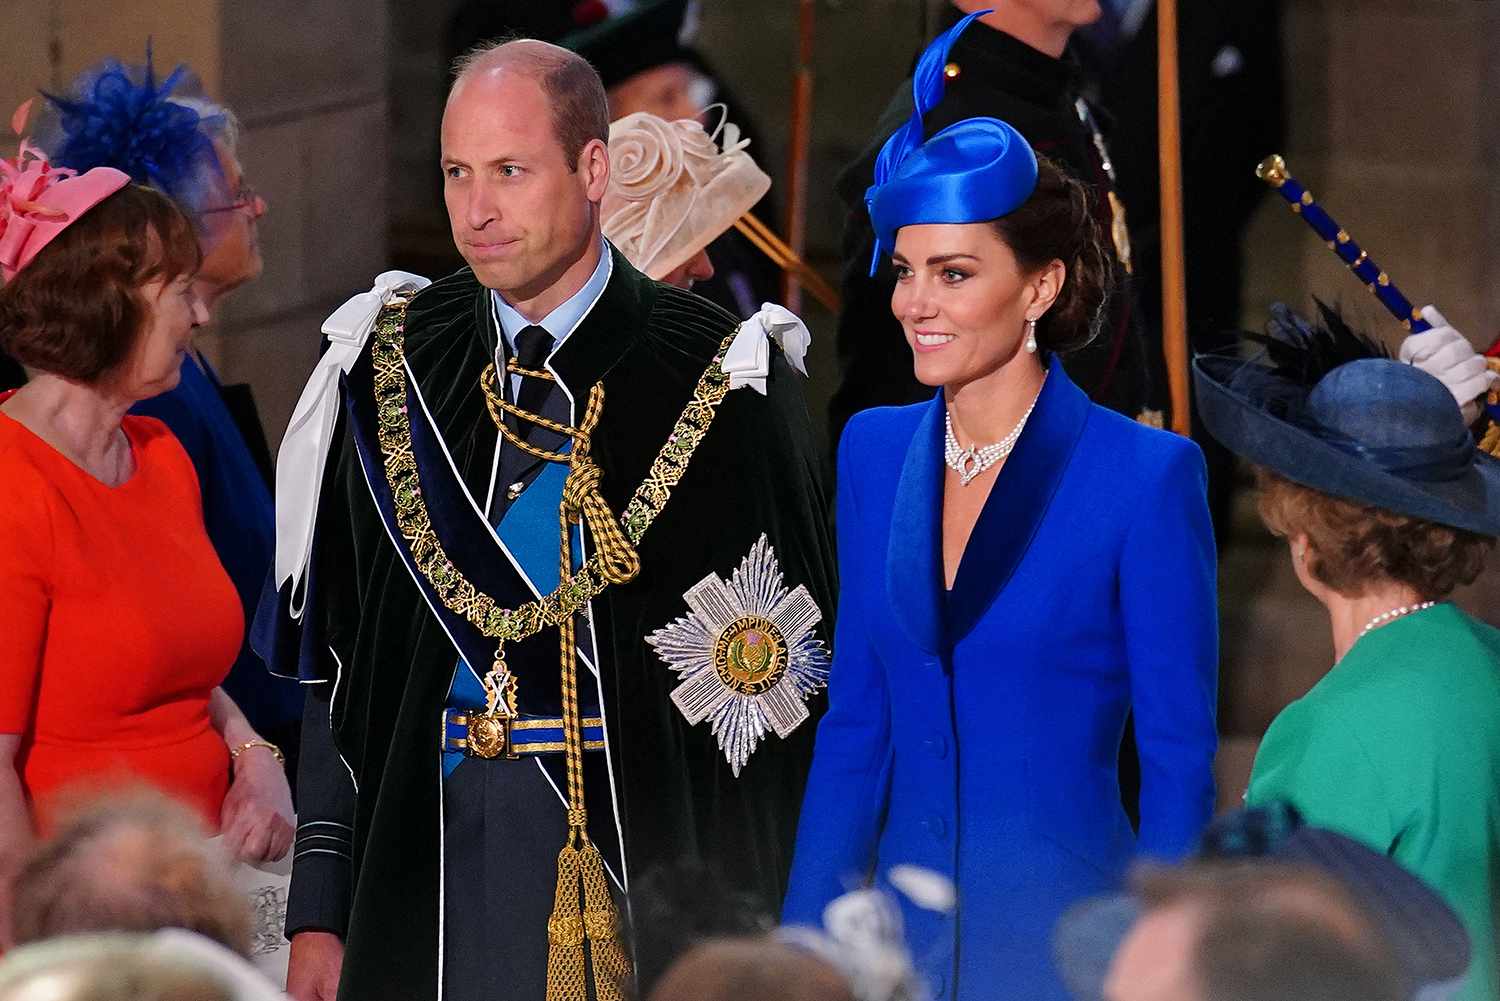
{"x": 122, "y": 116}
{"x": 973, "y": 171}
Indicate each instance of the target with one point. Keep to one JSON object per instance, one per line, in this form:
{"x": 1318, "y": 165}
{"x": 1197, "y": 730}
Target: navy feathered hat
{"x": 973, "y": 171}
{"x": 1326, "y": 408}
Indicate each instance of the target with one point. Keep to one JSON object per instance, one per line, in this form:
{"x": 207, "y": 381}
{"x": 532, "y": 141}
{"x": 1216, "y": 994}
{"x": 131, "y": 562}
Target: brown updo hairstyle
{"x": 77, "y": 310}
{"x": 1351, "y": 546}
{"x": 1057, "y": 224}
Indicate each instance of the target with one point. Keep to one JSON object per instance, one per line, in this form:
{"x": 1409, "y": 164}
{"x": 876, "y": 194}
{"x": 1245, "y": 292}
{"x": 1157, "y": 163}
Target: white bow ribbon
{"x": 748, "y": 360}
{"x": 309, "y": 436}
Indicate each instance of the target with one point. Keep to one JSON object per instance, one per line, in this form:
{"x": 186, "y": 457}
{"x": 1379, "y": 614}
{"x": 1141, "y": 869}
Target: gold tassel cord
{"x": 590, "y": 916}
{"x": 619, "y": 561}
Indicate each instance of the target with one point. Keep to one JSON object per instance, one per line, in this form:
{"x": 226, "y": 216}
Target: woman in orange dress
{"x": 118, "y": 620}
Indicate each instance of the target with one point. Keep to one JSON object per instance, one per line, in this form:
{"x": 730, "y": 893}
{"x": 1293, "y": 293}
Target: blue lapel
{"x": 914, "y": 561}
{"x": 1018, "y": 501}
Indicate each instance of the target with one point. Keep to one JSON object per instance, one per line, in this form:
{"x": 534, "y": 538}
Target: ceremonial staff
{"x": 800, "y": 138}
{"x": 1274, "y": 172}
{"x": 1173, "y": 264}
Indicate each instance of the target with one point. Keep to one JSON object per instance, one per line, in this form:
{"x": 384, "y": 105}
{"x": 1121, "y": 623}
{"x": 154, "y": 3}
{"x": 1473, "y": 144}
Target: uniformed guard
{"x": 554, "y": 560}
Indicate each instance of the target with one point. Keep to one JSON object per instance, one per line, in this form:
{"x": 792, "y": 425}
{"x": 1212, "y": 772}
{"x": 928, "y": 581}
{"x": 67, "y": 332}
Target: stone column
{"x": 1389, "y": 130}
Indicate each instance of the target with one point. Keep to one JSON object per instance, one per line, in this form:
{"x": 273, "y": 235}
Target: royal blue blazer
{"x": 977, "y": 733}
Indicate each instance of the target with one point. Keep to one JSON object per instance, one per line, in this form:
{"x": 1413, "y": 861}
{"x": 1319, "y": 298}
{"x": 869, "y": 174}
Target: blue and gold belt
{"x": 477, "y": 735}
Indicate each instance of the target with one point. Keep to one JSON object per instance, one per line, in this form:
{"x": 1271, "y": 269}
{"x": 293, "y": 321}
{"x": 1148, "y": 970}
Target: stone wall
{"x": 1391, "y": 129}
{"x": 308, "y": 81}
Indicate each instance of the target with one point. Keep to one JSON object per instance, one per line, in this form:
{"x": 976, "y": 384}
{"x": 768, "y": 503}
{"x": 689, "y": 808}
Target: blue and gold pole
{"x": 1273, "y": 171}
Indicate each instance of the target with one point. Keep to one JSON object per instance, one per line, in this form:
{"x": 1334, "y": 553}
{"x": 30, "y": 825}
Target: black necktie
{"x": 533, "y": 345}
{"x": 537, "y": 396}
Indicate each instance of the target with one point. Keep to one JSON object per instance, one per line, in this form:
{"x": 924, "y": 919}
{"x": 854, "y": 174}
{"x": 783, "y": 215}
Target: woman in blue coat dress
{"x": 1005, "y": 607}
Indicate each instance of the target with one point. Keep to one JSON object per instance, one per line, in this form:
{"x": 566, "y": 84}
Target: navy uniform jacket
{"x": 976, "y": 733}
{"x": 367, "y": 862}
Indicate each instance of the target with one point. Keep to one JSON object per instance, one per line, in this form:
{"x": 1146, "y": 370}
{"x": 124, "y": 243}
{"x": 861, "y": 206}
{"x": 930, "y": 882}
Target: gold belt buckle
{"x": 489, "y": 734}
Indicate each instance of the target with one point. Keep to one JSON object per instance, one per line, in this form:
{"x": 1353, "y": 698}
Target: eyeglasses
{"x": 245, "y": 199}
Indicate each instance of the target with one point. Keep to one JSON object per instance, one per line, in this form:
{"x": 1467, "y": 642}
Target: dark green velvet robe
{"x": 390, "y": 662}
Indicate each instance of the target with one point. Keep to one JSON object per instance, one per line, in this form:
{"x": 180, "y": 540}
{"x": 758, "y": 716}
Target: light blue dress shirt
{"x": 561, "y": 322}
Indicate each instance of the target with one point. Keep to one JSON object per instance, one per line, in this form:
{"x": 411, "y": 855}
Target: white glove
{"x": 1447, "y": 355}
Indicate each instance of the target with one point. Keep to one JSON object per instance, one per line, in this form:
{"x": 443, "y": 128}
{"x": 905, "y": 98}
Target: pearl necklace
{"x": 1392, "y": 615}
{"x": 969, "y": 462}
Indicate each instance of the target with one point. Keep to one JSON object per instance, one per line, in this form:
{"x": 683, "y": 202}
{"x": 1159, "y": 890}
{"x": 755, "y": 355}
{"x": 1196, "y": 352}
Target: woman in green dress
{"x": 1367, "y": 469}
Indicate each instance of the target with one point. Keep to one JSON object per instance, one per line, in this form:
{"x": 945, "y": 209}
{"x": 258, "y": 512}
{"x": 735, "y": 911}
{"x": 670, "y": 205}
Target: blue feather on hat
{"x": 973, "y": 171}
{"x": 120, "y": 116}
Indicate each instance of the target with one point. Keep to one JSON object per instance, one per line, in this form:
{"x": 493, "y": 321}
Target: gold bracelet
{"x": 235, "y": 752}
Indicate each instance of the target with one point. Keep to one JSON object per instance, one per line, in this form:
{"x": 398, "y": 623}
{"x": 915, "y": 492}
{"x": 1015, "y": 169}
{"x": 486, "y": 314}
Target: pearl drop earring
{"x": 1030, "y": 343}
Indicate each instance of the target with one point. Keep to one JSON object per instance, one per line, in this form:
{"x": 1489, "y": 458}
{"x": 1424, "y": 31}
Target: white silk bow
{"x": 748, "y": 360}
{"x": 309, "y": 436}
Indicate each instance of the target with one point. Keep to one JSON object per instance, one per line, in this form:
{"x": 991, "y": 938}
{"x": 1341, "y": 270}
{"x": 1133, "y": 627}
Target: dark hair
{"x": 1352, "y": 545}
{"x": 1272, "y": 931}
{"x": 130, "y": 862}
{"x": 77, "y": 309}
{"x": 1056, "y": 224}
{"x": 580, "y": 108}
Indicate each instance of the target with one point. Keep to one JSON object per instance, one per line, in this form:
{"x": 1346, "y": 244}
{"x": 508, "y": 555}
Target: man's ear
{"x": 593, "y": 164}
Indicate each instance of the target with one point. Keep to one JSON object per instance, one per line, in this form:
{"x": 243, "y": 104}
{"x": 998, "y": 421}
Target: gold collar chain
{"x": 456, "y": 593}
{"x": 584, "y": 909}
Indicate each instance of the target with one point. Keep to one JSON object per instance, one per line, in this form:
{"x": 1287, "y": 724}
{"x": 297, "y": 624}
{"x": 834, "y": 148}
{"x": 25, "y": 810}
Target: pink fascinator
{"x": 38, "y": 201}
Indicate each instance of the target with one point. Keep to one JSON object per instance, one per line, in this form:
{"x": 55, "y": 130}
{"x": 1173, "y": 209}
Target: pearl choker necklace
{"x": 969, "y": 462}
{"x": 1392, "y": 615}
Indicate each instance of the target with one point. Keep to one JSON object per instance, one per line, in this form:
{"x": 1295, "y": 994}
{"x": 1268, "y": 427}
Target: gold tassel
{"x": 601, "y": 924}
{"x": 567, "y": 975}
{"x": 595, "y": 918}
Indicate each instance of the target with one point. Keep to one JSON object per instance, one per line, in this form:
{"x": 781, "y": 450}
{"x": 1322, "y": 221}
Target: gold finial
{"x": 1273, "y": 170}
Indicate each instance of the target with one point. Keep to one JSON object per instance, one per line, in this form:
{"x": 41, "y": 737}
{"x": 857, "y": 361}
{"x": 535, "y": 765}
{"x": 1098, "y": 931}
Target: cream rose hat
{"x": 673, "y": 189}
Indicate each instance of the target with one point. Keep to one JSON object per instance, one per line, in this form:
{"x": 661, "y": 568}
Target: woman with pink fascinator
{"x": 119, "y": 620}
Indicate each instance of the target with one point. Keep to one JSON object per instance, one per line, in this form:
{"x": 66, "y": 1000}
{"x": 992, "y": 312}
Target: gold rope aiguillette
{"x": 583, "y": 909}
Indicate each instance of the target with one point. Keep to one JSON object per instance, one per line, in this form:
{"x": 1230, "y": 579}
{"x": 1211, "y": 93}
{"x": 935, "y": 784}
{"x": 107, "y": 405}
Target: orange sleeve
{"x": 25, "y": 597}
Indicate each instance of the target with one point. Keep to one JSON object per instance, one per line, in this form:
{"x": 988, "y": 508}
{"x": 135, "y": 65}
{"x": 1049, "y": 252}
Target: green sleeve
{"x": 1313, "y": 759}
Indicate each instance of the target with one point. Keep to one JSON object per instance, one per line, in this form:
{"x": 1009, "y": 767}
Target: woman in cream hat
{"x": 673, "y": 190}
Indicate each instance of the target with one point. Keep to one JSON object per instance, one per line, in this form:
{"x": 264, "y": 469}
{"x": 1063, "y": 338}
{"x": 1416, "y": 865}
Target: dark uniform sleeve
{"x": 321, "y": 857}
{"x": 314, "y": 650}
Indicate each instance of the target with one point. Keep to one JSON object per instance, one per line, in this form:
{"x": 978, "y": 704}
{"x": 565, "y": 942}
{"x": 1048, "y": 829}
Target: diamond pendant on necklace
{"x": 968, "y": 461}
